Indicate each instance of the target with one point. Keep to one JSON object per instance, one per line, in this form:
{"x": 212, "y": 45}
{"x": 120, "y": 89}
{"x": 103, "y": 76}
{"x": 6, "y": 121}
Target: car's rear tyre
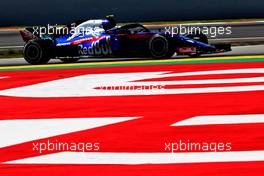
{"x": 70, "y": 60}
{"x": 36, "y": 52}
{"x": 160, "y": 47}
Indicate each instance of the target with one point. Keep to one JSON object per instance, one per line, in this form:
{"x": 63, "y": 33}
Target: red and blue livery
{"x": 103, "y": 38}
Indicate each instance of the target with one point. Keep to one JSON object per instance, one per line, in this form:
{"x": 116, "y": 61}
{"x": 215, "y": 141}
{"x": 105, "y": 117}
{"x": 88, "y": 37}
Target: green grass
{"x": 10, "y": 53}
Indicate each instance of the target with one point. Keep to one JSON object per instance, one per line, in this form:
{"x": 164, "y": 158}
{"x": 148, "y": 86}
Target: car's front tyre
{"x": 36, "y": 52}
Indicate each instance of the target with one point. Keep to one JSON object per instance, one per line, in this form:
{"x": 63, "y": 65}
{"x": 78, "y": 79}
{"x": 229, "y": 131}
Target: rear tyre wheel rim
{"x": 33, "y": 53}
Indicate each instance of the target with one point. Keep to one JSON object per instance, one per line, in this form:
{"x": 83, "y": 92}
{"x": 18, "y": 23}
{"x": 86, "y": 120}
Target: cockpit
{"x": 128, "y": 29}
{"x": 91, "y": 25}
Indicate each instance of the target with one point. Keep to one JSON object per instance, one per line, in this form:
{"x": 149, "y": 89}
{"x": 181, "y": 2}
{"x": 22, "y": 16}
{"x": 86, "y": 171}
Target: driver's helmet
{"x": 109, "y": 23}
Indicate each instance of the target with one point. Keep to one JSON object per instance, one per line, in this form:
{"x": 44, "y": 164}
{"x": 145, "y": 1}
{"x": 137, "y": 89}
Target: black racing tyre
{"x": 70, "y": 60}
{"x": 160, "y": 47}
{"x": 37, "y": 52}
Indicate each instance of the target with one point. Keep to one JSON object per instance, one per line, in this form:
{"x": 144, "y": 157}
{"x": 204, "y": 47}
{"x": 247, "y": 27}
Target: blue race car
{"x": 102, "y": 38}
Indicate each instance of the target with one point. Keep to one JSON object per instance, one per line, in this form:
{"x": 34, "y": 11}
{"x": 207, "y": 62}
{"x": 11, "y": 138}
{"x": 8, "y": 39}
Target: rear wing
{"x": 41, "y": 32}
{"x": 28, "y": 34}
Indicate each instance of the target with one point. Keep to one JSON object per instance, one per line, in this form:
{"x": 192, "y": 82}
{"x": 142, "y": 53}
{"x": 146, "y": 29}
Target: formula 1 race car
{"x": 102, "y": 38}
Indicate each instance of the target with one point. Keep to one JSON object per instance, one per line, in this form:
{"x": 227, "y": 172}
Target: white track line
{"x": 20, "y": 131}
{"x": 81, "y": 86}
{"x": 206, "y": 81}
{"x": 221, "y": 119}
{"x": 142, "y": 158}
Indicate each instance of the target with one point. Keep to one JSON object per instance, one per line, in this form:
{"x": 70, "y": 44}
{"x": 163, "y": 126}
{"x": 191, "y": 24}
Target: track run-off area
{"x": 202, "y": 116}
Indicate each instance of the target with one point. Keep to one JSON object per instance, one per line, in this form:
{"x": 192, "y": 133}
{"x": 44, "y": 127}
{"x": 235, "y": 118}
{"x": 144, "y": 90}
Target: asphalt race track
{"x": 238, "y": 50}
